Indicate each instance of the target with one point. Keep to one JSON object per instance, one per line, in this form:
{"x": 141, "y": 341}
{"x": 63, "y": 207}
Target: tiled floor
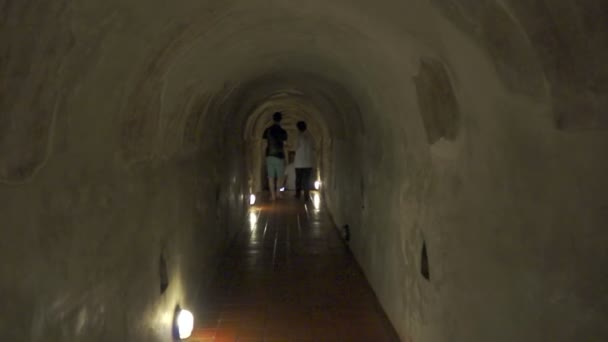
{"x": 289, "y": 277}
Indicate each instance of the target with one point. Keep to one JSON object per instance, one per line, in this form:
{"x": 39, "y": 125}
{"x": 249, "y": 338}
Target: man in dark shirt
{"x": 275, "y": 137}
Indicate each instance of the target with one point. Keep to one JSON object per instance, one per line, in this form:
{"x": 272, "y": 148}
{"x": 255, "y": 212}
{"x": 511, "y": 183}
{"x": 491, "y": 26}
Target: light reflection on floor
{"x": 289, "y": 278}
{"x": 253, "y": 218}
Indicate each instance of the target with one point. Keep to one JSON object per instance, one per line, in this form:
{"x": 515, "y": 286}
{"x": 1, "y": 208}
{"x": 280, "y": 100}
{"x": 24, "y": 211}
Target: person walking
{"x": 304, "y": 161}
{"x": 290, "y": 172}
{"x": 275, "y": 137}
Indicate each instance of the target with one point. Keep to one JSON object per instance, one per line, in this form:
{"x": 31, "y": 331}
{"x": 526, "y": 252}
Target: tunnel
{"x": 463, "y": 144}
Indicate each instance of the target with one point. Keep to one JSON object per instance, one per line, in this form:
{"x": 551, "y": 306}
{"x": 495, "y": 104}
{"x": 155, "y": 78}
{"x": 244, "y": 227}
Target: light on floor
{"x": 318, "y": 185}
{"x": 185, "y": 323}
{"x": 252, "y": 199}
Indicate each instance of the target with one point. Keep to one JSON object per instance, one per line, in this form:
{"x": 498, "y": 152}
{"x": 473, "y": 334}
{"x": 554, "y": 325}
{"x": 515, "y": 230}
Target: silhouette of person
{"x": 304, "y": 161}
{"x": 275, "y": 137}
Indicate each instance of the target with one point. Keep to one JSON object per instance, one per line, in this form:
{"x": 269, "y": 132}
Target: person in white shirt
{"x": 304, "y": 161}
{"x": 290, "y": 173}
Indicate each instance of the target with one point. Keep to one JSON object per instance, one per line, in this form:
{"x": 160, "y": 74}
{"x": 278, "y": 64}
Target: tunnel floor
{"x": 289, "y": 277}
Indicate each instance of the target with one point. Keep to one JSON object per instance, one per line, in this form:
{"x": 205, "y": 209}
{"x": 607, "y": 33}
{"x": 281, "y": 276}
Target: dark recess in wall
{"x": 362, "y": 190}
{"x": 346, "y": 232}
{"x": 424, "y": 263}
{"x": 164, "y": 278}
{"x": 437, "y": 102}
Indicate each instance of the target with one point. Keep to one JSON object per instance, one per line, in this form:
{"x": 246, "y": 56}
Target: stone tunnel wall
{"x": 476, "y": 157}
{"x": 112, "y": 213}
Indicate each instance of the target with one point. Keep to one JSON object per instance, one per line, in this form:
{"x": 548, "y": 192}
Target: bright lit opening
{"x": 252, "y": 199}
{"x": 318, "y": 185}
{"x": 253, "y": 219}
{"x": 316, "y": 201}
{"x": 185, "y": 324}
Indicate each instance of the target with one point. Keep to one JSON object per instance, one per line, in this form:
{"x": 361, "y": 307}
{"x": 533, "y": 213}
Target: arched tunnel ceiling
{"x": 182, "y": 57}
{"x": 327, "y": 104}
{"x": 300, "y": 108}
{"x": 245, "y": 54}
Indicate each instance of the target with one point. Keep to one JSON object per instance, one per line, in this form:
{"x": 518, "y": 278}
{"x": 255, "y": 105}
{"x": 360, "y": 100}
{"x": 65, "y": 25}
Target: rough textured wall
{"x": 84, "y": 246}
{"x": 505, "y": 205}
{"x": 99, "y": 184}
{"x": 33, "y": 62}
{"x": 563, "y": 42}
{"x": 121, "y": 141}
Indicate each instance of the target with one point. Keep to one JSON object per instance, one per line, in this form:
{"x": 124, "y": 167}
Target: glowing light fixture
{"x": 252, "y": 199}
{"x": 317, "y": 184}
{"x": 185, "y": 323}
{"x": 282, "y": 189}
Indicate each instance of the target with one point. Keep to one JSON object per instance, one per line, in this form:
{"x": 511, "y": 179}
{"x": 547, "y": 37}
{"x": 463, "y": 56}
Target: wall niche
{"x": 436, "y": 100}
